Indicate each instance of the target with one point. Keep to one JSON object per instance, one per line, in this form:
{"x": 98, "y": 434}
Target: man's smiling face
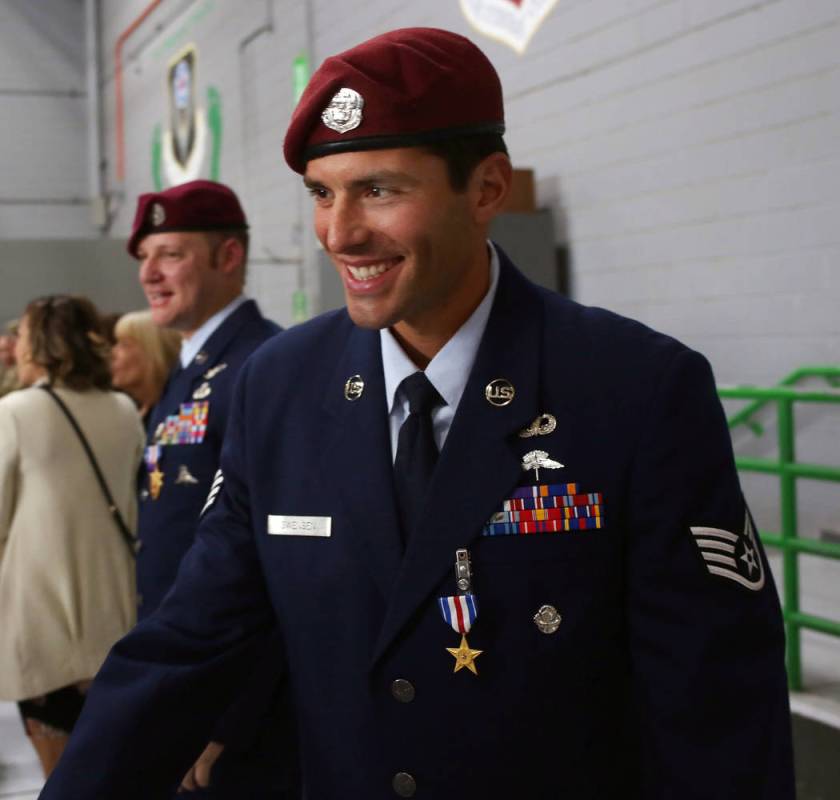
{"x": 401, "y": 239}
{"x": 179, "y": 278}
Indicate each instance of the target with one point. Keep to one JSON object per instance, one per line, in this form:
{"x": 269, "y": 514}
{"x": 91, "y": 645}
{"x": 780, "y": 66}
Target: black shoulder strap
{"x": 127, "y": 536}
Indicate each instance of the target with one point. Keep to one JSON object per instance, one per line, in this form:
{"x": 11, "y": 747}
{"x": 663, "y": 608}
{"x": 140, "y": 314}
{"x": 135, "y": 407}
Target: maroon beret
{"x": 409, "y": 87}
{"x": 193, "y": 206}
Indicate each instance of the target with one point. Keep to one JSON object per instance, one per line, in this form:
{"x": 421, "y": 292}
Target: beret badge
{"x": 157, "y": 216}
{"x": 344, "y": 112}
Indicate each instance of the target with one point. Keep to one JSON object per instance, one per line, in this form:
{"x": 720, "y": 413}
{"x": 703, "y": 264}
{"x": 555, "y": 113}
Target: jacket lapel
{"x": 181, "y": 382}
{"x": 217, "y": 343}
{"x": 481, "y": 459}
{"x": 356, "y": 460}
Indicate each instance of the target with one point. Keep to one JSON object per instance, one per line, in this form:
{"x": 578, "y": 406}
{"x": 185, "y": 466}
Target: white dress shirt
{"x": 448, "y": 371}
{"x": 190, "y": 347}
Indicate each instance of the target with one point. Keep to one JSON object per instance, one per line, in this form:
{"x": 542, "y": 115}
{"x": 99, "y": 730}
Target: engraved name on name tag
{"x": 280, "y": 525}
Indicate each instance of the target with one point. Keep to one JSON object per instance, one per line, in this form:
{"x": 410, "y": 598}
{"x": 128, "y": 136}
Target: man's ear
{"x": 230, "y": 256}
{"x": 490, "y": 185}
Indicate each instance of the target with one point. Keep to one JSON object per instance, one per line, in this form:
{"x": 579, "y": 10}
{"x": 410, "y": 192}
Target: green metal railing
{"x": 789, "y": 470}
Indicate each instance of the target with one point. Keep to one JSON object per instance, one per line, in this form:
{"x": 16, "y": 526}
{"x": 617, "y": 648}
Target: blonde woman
{"x": 66, "y": 570}
{"x": 142, "y": 357}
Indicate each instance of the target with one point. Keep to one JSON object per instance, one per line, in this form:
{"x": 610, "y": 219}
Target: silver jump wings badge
{"x": 537, "y": 460}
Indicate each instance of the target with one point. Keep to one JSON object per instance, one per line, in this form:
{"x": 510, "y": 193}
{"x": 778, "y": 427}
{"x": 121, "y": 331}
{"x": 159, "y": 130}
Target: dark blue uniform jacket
{"x": 168, "y": 524}
{"x": 664, "y": 679}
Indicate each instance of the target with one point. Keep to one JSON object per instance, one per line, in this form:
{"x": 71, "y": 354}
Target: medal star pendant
{"x": 464, "y": 656}
{"x": 155, "y": 483}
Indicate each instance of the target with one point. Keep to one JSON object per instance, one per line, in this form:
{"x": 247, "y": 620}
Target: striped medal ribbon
{"x": 459, "y": 612}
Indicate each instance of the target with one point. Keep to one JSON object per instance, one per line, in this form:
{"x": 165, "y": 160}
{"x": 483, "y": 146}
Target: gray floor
{"x": 817, "y": 765}
{"x": 20, "y": 774}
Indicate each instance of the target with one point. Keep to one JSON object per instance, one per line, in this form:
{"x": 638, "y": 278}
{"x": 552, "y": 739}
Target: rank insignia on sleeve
{"x": 732, "y": 556}
{"x": 215, "y": 488}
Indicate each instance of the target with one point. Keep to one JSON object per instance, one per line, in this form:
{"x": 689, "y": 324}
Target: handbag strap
{"x": 128, "y": 538}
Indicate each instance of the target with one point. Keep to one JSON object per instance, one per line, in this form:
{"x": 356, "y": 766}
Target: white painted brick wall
{"x": 690, "y": 151}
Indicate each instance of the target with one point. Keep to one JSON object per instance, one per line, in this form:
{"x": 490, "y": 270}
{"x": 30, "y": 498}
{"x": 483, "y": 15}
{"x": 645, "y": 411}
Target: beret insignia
{"x": 344, "y": 112}
{"x": 157, "y": 215}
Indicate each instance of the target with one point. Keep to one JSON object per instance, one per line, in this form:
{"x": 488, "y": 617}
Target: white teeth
{"x": 366, "y": 273}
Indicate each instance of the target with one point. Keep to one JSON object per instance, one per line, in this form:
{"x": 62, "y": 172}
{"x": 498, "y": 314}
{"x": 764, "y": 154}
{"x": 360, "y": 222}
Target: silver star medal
{"x": 537, "y": 460}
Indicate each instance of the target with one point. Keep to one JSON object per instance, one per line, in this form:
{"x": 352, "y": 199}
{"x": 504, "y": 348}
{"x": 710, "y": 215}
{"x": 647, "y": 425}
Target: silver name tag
{"x": 279, "y": 525}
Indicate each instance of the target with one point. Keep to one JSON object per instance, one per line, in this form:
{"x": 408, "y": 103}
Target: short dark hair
{"x": 464, "y": 153}
{"x": 66, "y": 339}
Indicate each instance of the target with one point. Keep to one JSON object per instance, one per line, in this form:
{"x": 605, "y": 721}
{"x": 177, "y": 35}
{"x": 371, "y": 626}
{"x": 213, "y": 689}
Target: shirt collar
{"x": 190, "y": 347}
{"x": 449, "y": 370}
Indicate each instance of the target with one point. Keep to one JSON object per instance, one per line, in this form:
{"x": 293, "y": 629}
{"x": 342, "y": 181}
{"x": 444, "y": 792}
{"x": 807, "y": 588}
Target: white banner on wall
{"x": 512, "y": 22}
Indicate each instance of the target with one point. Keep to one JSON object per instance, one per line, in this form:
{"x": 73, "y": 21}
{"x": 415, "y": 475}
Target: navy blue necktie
{"x": 416, "y": 450}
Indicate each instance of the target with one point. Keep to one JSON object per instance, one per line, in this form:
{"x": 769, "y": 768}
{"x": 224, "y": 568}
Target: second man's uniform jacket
{"x": 185, "y": 434}
{"x": 631, "y": 640}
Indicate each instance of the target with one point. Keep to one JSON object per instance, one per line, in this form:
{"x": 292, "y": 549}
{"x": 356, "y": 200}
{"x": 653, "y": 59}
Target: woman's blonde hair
{"x": 161, "y": 345}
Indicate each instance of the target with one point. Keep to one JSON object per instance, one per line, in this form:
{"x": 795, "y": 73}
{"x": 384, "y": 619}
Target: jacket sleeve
{"x": 706, "y": 634}
{"x": 153, "y": 705}
{"x": 254, "y": 708}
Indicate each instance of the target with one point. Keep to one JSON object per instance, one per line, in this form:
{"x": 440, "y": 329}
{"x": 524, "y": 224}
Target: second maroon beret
{"x": 195, "y": 206}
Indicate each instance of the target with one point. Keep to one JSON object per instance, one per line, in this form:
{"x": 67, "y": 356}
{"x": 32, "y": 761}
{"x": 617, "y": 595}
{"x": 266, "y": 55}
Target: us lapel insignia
{"x": 214, "y": 371}
{"x": 541, "y": 426}
{"x": 203, "y": 391}
{"x": 537, "y": 460}
{"x": 185, "y": 476}
{"x": 460, "y": 612}
{"x": 499, "y": 392}
{"x": 201, "y": 357}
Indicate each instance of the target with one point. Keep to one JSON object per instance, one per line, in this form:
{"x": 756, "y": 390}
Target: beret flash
{"x": 409, "y": 87}
{"x": 194, "y": 206}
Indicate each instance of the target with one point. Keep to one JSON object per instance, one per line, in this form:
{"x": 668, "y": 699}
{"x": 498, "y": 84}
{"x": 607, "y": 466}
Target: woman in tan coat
{"x": 66, "y": 571}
